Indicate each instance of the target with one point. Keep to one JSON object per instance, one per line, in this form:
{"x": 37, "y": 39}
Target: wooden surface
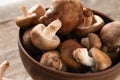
{"x": 9, "y": 51}
{"x": 9, "y": 33}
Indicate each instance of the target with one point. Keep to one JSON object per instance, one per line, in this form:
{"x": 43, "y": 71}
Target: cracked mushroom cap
{"x": 66, "y": 49}
{"x": 45, "y": 38}
{"x": 68, "y": 11}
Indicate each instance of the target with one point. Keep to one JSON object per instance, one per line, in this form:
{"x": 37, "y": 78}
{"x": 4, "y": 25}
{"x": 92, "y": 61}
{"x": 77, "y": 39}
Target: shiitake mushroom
{"x": 70, "y": 12}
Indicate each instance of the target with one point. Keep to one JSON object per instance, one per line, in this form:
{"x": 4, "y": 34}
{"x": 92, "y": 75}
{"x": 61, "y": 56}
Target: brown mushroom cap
{"x": 110, "y": 36}
{"x": 45, "y": 38}
{"x": 68, "y": 11}
{"x": 66, "y": 49}
{"x": 52, "y": 59}
{"x": 84, "y": 30}
{"x": 92, "y": 40}
{"x": 81, "y": 55}
{"x": 26, "y": 20}
{"x": 39, "y": 10}
{"x": 102, "y": 61}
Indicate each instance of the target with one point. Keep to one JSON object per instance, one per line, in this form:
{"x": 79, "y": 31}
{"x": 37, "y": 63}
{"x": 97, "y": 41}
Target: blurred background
{"x": 9, "y": 10}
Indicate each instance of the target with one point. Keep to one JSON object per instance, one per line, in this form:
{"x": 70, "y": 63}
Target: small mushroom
{"x": 68, "y": 11}
{"x": 66, "y": 49}
{"x": 90, "y": 25}
{"x": 26, "y": 20}
{"x": 28, "y": 45}
{"x": 81, "y": 55}
{"x": 39, "y": 10}
{"x": 3, "y": 68}
{"x": 110, "y": 36}
{"x": 53, "y": 60}
{"x": 102, "y": 60}
{"x": 92, "y": 40}
{"x": 96, "y": 59}
{"x": 45, "y": 38}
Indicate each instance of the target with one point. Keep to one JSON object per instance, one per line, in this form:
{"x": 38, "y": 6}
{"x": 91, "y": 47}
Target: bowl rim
{"x": 68, "y": 74}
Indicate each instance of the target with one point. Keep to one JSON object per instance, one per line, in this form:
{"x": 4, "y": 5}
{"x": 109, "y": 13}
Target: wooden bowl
{"x": 39, "y": 72}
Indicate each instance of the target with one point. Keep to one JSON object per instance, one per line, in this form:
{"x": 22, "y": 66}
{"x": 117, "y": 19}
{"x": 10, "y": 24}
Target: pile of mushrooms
{"x": 69, "y": 37}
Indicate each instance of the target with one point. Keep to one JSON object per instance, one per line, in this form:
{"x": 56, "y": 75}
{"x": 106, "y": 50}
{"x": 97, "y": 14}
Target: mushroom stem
{"x": 52, "y": 28}
{"x": 23, "y": 11}
{"x": 3, "y": 68}
{"x": 88, "y": 17}
{"x": 81, "y": 56}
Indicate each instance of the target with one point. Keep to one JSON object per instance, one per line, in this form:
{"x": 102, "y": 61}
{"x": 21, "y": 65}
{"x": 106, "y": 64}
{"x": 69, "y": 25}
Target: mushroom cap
{"x": 41, "y": 41}
{"x": 81, "y": 55}
{"x": 52, "y": 59}
{"x": 26, "y": 21}
{"x": 102, "y": 60}
{"x": 3, "y": 67}
{"x": 68, "y": 11}
{"x": 92, "y": 40}
{"x": 110, "y": 35}
{"x": 39, "y": 10}
{"x": 84, "y": 31}
{"x": 66, "y": 49}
